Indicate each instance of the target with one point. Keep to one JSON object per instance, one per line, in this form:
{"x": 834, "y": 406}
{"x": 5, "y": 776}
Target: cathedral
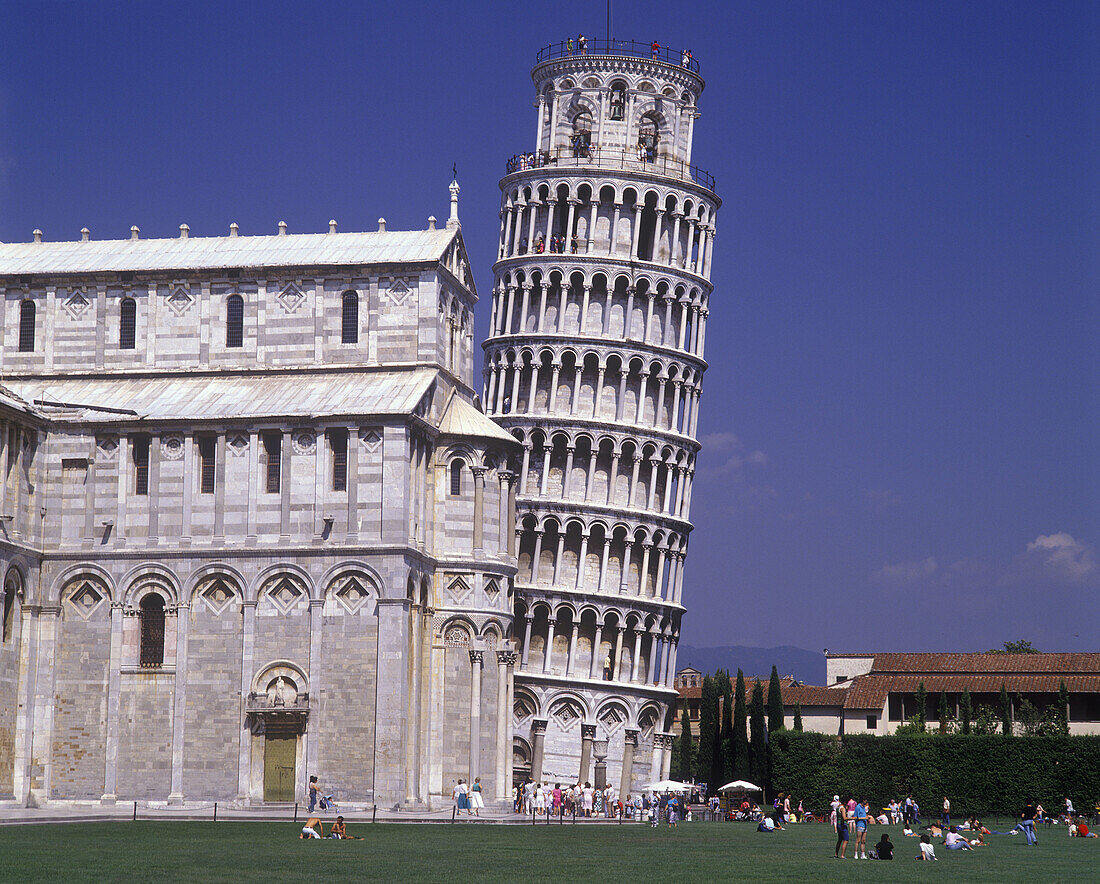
{"x": 258, "y": 524}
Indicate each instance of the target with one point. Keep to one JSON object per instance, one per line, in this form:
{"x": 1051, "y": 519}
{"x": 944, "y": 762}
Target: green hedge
{"x": 980, "y": 774}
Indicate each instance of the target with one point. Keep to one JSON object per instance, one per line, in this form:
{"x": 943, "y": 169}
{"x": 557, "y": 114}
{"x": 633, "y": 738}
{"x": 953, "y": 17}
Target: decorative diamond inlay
{"x": 238, "y": 444}
{"x": 217, "y": 596}
{"x": 352, "y": 595}
{"x": 86, "y": 599}
{"x": 108, "y": 445}
{"x": 291, "y": 298}
{"x": 566, "y": 715}
{"x": 398, "y": 292}
{"x": 458, "y": 588}
{"x": 492, "y": 589}
{"x": 76, "y": 304}
{"x": 611, "y": 718}
{"x": 369, "y": 438}
{"x": 180, "y": 301}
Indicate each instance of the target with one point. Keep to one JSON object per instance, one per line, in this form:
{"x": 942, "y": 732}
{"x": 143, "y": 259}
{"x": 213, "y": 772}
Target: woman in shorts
{"x": 841, "y": 831}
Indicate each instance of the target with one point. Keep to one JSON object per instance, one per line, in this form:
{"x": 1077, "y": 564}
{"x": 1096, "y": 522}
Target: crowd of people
{"x": 546, "y": 800}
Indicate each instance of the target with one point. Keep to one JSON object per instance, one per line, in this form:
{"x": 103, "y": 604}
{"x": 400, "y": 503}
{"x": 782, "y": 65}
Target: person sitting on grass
{"x": 884, "y": 849}
{"x": 927, "y": 851}
{"x": 312, "y": 829}
{"x": 340, "y": 833}
{"x": 954, "y": 841}
{"x": 1080, "y": 829}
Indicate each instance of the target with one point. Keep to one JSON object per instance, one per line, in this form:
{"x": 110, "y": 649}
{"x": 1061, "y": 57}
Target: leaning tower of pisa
{"x": 594, "y": 362}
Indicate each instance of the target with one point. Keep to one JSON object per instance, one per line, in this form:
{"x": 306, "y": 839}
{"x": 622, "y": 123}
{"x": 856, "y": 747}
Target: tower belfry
{"x": 594, "y": 362}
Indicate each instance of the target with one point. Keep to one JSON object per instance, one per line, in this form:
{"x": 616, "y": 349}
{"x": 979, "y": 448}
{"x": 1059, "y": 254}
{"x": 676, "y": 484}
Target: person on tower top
{"x": 582, "y": 44}
{"x": 656, "y": 48}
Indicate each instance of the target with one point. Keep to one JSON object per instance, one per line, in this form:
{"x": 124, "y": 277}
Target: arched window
{"x": 234, "y": 321}
{"x": 582, "y": 134}
{"x": 152, "y": 630}
{"x": 26, "y": 327}
{"x": 9, "y": 612}
{"x": 349, "y": 329}
{"x": 618, "y": 100}
{"x": 456, "y": 477}
{"x": 127, "y": 324}
{"x": 647, "y": 139}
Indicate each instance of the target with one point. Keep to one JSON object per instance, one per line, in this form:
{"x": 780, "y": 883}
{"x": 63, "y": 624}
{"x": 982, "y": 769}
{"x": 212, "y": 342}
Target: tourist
{"x": 834, "y": 815}
{"x": 476, "y": 801}
{"x": 884, "y": 849}
{"x": 569, "y": 45}
{"x": 841, "y": 831}
{"x": 314, "y": 793}
{"x": 540, "y": 244}
{"x": 1080, "y": 829}
{"x": 954, "y": 841}
{"x": 861, "y": 829}
{"x": 655, "y": 48}
{"x": 927, "y": 851}
{"x": 312, "y": 829}
{"x": 673, "y": 811}
{"x": 582, "y": 44}
{"x": 909, "y": 809}
{"x": 574, "y": 244}
{"x": 945, "y": 818}
{"x": 1027, "y": 824}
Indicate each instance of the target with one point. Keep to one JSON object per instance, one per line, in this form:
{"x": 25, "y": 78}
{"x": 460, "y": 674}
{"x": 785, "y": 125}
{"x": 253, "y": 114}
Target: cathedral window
{"x": 26, "y": 327}
{"x": 127, "y": 324}
{"x": 349, "y": 331}
{"x": 456, "y": 477}
{"x": 9, "y": 611}
{"x": 206, "y": 464}
{"x": 140, "y": 453}
{"x": 273, "y": 449}
{"x": 234, "y": 321}
{"x": 338, "y": 442}
{"x": 151, "y": 610}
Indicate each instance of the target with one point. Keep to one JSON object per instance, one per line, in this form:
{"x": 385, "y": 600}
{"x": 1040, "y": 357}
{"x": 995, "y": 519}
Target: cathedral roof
{"x": 193, "y": 397}
{"x": 462, "y": 419}
{"x": 217, "y": 252}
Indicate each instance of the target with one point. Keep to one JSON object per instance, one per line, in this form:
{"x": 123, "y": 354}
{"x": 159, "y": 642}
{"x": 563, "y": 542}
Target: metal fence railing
{"x": 637, "y": 160}
{"x": 633, "y": 48}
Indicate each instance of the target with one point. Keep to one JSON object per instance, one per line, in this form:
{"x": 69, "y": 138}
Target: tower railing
{"x": 637, "y": 160}
{"x": 631, "y": 48}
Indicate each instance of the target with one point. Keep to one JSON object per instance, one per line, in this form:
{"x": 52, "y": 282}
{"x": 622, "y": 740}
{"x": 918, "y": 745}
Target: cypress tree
{"x": 943, "y": 711}
{"x": 708, "y": 729}
{"x": 685, "y": 744}
{"x": 727, "y": 729}
{"x": 922, "y": 706}
{"x": 759, "y": 753}
{"x": 775, "y": 703}
{"x": 1006, "y": 712}
{"x": 1063, "y": 708}
{"x": 741, "y": 769}
{"x": 798, "y": 717}
{"x": 966, "y": 710}
{"x": 718, "y": 755}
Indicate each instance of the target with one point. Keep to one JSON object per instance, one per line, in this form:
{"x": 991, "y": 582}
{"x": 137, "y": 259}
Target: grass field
{"x": 270, "y": 852}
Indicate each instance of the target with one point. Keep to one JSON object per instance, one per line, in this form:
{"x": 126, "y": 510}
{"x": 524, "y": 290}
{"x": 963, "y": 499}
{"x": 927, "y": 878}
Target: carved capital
{"x": 538, "y": 726}
{"x": 507, "y": 658}
{"x": 477, "y": 657}
{"x": 588, "y": 731}
{"x": 631, "y": 736}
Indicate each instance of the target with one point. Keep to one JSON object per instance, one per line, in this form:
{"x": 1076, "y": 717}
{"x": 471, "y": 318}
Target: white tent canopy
{"x": 668, "y": 786}
{"x": 740, "y": 786}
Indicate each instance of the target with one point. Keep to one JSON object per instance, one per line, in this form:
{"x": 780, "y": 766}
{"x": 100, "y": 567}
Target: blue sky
{"x": 900, "y": 416}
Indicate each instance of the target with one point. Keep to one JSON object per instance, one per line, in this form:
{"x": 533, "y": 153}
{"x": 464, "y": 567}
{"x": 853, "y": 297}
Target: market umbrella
{"x": 740, "y": 786}
{"x": 668, "y": 786}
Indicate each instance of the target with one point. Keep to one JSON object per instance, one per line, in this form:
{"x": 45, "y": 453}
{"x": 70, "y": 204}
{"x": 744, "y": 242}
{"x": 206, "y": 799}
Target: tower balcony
{"x": 622, "y": 48}
{"x": 638, "y": 160}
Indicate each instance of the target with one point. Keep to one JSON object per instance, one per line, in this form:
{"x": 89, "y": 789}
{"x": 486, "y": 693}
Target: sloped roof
{"x": 462, "y": 419}
{"x": 871, "y": 691}
{"x": 231, "y": 396}
{"x": 216, "y": 252}
{"x": 976, "y": 663}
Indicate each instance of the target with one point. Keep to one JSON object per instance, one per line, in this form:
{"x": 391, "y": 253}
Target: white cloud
{"x": 906, "y": 573}
{"x": 732, "y": 452}
{"x": 1062, "y": 555}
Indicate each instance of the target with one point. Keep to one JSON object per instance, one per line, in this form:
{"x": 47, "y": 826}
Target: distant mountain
{"x": 807, "y": 666}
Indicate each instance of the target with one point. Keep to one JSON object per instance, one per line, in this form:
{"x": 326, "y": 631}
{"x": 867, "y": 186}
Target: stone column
{"x": 594, "y": 204}
{"x": 476, "y": 662}
{"x": 595, "y": 669}
{"x": 285, "y": 451}
{"x": 611, "y": 240}
{"x": 643, "y": 577}
{"x": 524, "y": 307}
{"x": 581, "y": 562}
{"x": 538, "y": 746}
{"x": 244, "y": 756}
{"x": 506, "y": 660}
{"x": 630, "y": 743}
{"x": 656, "y": 235}
{"x": 666, "y": 755}
{"x": 636, "y": 233}
{"x": 42, "y": 704}
{"x": 544, "y": 290}
{"x": 555, "y": 371}
{"x": 654, "y": 656}
{"x": 479, "y": 510}
{"x": 313, "y": 723}
{"x": 547, "y": 449}
{"x": 619, "y": 630}
{"x": 637, "y": 655}
{"x": 664, "y": 660}
{"x": 628, "y": 551}
{"x": 570, "y": 450}
{"x": 549, "y": 645}
{"x": 677, "y": 217}
{"x": 114, "y": 684}
{"x": 535, "y": 559}
{"x": 179, "y": 700}
{"x": 657, "y": 761}
{"x": 527, "y": 640}
{"x": 572, "y": 648}
{"x": 588, "y": 734}
{"x": 603, "y": 564}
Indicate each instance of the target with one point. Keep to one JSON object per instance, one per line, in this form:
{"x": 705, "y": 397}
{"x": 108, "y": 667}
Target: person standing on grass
{"x": 841, "y": 831}
{"x": 946, "y": 818}
{"x": 1027, "y": 823}
{"x": 834, "y": 814}
{"x": 861, "y": 829}
{"x": 673, "y": 811}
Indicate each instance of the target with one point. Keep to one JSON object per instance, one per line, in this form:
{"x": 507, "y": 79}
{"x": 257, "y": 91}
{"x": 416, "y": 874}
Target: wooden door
{"x": 279, "y": 755}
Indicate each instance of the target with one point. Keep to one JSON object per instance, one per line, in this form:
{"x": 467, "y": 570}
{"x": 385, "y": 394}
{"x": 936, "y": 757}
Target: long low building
{"x": 875, "y": 693}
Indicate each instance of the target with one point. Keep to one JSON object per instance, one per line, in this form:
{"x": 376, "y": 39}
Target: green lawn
{"x": 261, "y": 851}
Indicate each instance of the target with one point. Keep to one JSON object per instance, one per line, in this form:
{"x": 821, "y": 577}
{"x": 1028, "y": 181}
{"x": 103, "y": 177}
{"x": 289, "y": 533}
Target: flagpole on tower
{"x": 608, "y": 24}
